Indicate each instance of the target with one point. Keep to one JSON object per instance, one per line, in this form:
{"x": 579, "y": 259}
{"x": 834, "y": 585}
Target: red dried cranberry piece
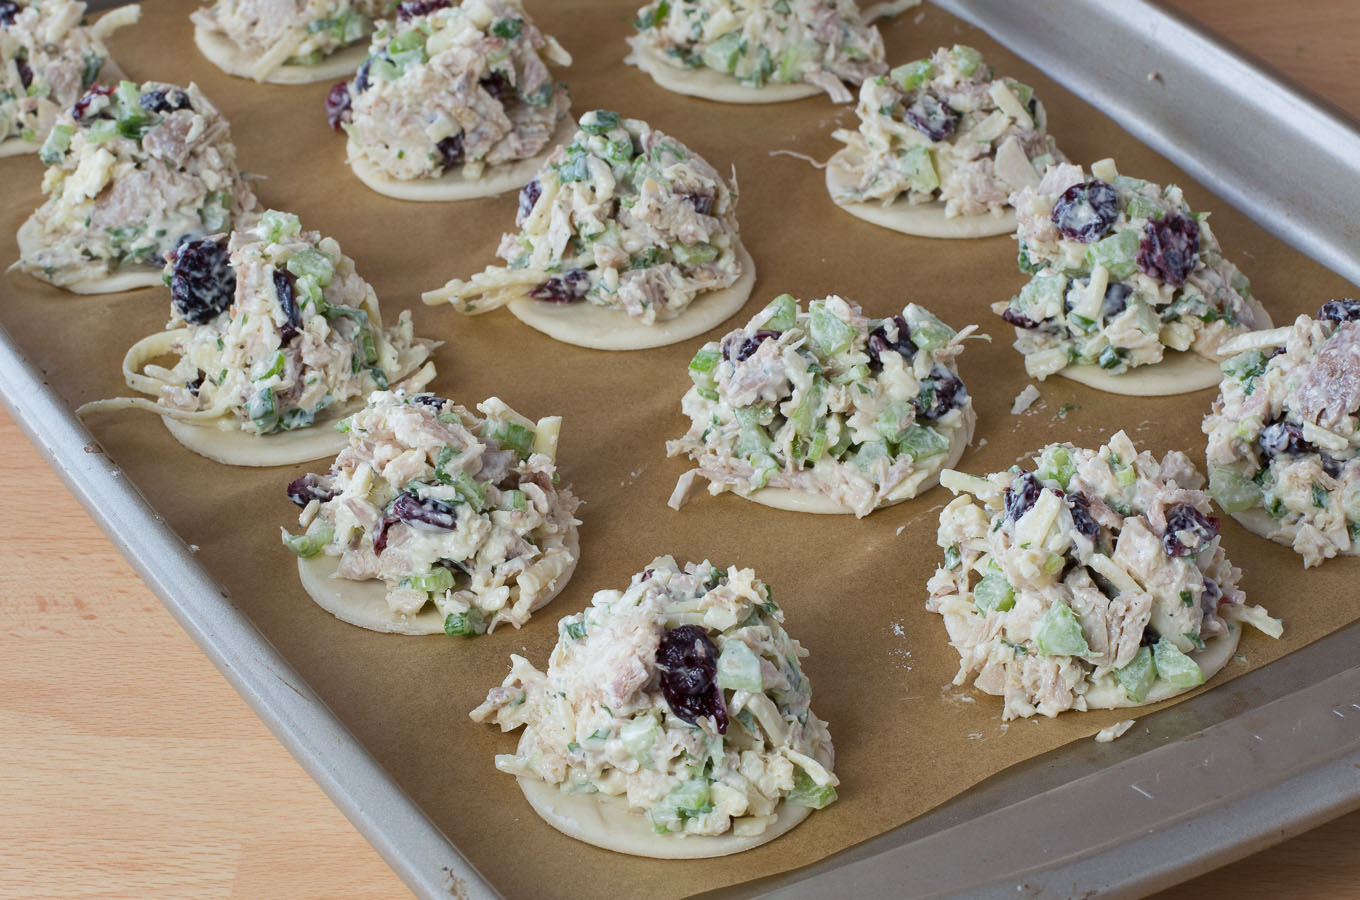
{"x": 1208, "y": 600}
{"x": 83, "y": 104}
{"x": 1185, "y": 519}
{"x": 1021, "y": 495}
{"x": 413, "y": 8}
{"x": 1169, "y": 249}
{"x": 496, "y": 84}
{"x": 528, "y": 198}
{"x": 306, "y": 488}
{"x": 1085, "y": 212}
{"x": 1081, "y": 514}
{"x": 9, "y": 9}
{"x": 688, "y": 660}
{"x": 159, "y": 101}
{"x": 25, "y": 73}
{"x": 940, "y": 393}
{"x": 202, "y": 282}
{"x": 880, "y": 343}
{"x": 338, "y": 105}
{"x": 1283, "y": 437}
{"x": 429, "y": 400}
{"x": 932, "y": 118}
{"x": 409, "y": 508}
{"x": 1116, "y": 299}
{"x": 283, "y": 285}
{"x": 361, "y": 82}
{"x": 1343, "y": 310}
{"x": 1150, "y": 636}
{"x": 567, "y": 288}
{"x": 1018, "y": 320}
{"x": 702, "y": 203}
{"x": 752, "y": 344}
{"x": 451, "y": 150}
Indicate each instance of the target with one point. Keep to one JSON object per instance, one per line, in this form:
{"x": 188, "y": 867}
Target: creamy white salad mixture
{"x": 445, "y": 506}
{"x": 273, "y": 328}
{"x": 133, "y": 171}
{"x": 48, "y": 59}
{"x": 1100, "y": 571}
{"x": 1121, "y": 271}
{"x": 946, "y": 129}
{"x": 625, "y": 218}
{"x": 822, "y": 42}
{"x": 1284, "y": 433}
{"x": 682, "y": 694}
{"x": 291, "y": 32}
{"x": 452, "y": 86}
{"x": 825, "y": 401}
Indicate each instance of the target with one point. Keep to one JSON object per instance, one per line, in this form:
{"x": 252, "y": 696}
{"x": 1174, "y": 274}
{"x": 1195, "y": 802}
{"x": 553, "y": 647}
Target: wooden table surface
{"x": 129, "y": 768}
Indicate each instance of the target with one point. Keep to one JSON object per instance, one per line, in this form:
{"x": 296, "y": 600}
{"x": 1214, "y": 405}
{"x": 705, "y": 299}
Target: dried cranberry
{"x": 410, "y": 509}
{"x": 1283, "y": 437}
{"x": 283, "y": 286}
{"x": 1021, "y": 495}
{"x": 202, "y": 282}
{"x": 879, "y": 342}
{"x": 451, "y": 150}
{"x": 752, "y": 344}
{"x": 688, "y": 660}
{"x": 702, "y": 203}
{"x": 1017, "y": 319}
{"x": 25, "y": 73}
{"x": 1085, "y": 212}
{"x": 195, "y": 385}
{"x": 1150, "y": 636}
{"x": 932, "y": 118}
{"x": 437, "y": 403}
{"x": 83, "y": 104}
{"x": 496, "y": 84}
{"x": 1116, "y": 299}
{"x": 1343, "y": 310}
{"x": 1185, "y": 519}
{"x": 159, "y": 101}
{"x": 1081, "y": 515}
{"x": 306, "y": 488}
{"x": 940, "y": 393}
{"x": 528, "y": 199}
{"x": 1331, "y": 465}
{"x": 361, "y": 82}
{"x": 8, "y": 10}
{"x": 567, "y": 288}
{"x": 1169, "y": 248}
{"x": 412, "y": 8}
{"x": 1208, "y": 601}
{"x": 338, "y": 105}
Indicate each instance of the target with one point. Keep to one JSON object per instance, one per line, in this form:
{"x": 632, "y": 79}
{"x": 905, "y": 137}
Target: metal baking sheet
{"x": 1267, "y": 755}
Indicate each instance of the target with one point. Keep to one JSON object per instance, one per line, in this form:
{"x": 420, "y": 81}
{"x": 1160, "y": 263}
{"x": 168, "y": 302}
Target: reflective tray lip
{"x": 1272, "y": 795}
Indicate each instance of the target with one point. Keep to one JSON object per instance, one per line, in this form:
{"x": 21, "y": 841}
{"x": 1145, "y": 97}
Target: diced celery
{"x": 599, "y": 121}
{"x": 517, "y": 499}
{"x": 869, "y": 453}
{"x": 829, "y": 334}
{"x": 309, "y": 544}
{"x": 1175, "y": 666}
{"x": 912, "y": 75}
{"x": 783, "y": 313}
{"x": 54, "y": 148}
{"x": 1118, "y": 253}
{"x": 309, "y": 263}
{"x": 470, "y": 490}
{"x": 262, "y": 408}
{"x": 894, "y": 421}
{"x": 929, "y": 333}
{"x": 694, "y": 254}
{"x": 1233, "y": 491}
{"x": 993, "y": 592}
{"x": 809, "y": 793}
{"x": 1042, "y": 297}
{"x": 638, "y": 736}
{"x": 739, "y": 668}
{"x": 1137, "y": 677}
{"x": 514, "y": 436}
{"x": 467, "y": 624}
{"x": 1140, "y": 207}
{"x": 275, "y": 225}
{"x": 1059, "y": 633}
{"x": 724, "y": 51}
{"x": 919, "y": 167}
{"x": 1056, "y": 463}
{"x": 1245, "y": 366}
{"x": 702, "y": 365}
{"x": 816, "y": 446}
{"x": 968, "y": 59}
{"x": 793, "y": 60}
{"x": 921, "y": 442}
{"x": 435, "y": 581}
{"x": 808, "y": 413}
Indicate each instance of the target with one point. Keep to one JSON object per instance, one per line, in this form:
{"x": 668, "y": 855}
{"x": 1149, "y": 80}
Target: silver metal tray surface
{"x": 1227, "y": 773}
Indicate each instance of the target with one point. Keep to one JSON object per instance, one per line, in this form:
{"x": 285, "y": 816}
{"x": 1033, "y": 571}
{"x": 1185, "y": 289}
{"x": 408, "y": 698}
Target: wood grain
{"x": 129, "y": 768}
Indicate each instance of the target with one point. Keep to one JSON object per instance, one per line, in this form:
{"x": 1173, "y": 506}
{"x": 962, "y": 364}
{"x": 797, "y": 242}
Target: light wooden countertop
{"x": 129, "y": 767}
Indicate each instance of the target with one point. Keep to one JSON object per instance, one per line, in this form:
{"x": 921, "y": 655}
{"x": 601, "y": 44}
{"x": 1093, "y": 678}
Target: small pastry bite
{"x": 295, "y": 42}
{"x": 1096, "y": 581}
{"x": 277, "y": 337}
{"x": 132, "y": 173}
{"x": 628, "y": 239}
{"x": 1129, "y": 291}
{"x": 1284, "y": 451}
{"x": 48, "y": 59}
{"x": 942, "y": 144}
{"x": 673, "y": 721}
{"x": 828, "y": 410}
{"x": 454, "y": 101}
{"x": 434, "y": 519}
{"x": 766, "y": 51}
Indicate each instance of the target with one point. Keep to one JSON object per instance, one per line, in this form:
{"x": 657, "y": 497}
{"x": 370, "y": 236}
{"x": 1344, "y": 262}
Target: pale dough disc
{"x": 233, "y": 447}
{"x": 918, "y": 219}
{"x": 1261, "y": 523}
{"x": 587, "y": 325}
{"x": 364, "y": 603}
{"x": 452, "y": 185}
{"x": 14, "y": 146}
{"x": 116, "y": 283}
{"x": 1108, "y": 694}
{"x": 222, "y": 52}
{"x": 709, "y": 84}
{"x": 607, "y": 822}
{"x": 1179, "y": 372}
{"x": 922, "y": 480}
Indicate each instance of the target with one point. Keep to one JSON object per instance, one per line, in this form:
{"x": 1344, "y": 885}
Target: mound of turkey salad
{"x": 1122, "y": 270}
{"x": 272, "y": 327}
{"x": 133, "y": 172}
{"x": 1283, "y": 433}
{"x": 683, "y": 694}
{"x": 625, "y": 217}
{"x": 444, "y": 506}
{"x": 1099, "y": 570}
{"x": 827, "y": 402}
{"x": 48, "y": 59}
{"x": 821, "y": 42}
{"x": 946, "y": 129}
{"x": 298, "y": 32}
{"x": 449, "y": 86}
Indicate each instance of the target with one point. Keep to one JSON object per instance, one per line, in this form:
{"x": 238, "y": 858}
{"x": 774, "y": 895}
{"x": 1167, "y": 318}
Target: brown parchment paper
{"x": 853, "y": 591}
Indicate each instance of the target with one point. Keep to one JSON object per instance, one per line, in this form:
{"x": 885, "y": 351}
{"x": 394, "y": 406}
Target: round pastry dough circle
{"x": 1179, "y": 372}
{"x": 927, "y": 478}
{"x": 587, "y": 325}
{"x": 222, "y": 52}
{"x": 1217, "y": 651}
{"x": 15, "y": 145}
{"x": 452, "y": 185}
{"x": 114, "y": 283}
{"x": 1260, "y": 523}
{"x": 234, "y": 447}
{"x": 709, "y": 84}
{"x": 918, "y": 219}
{"x": 364, "y": 603}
